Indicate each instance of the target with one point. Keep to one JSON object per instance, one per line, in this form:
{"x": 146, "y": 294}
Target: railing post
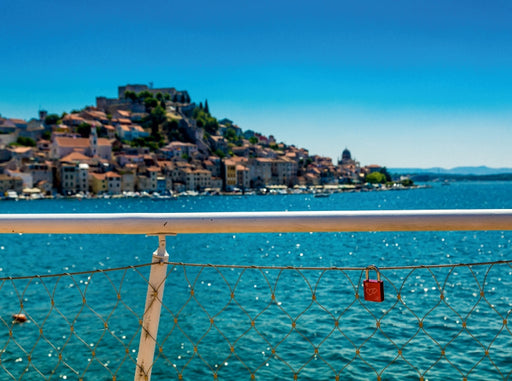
{"x": 152, "y": 309}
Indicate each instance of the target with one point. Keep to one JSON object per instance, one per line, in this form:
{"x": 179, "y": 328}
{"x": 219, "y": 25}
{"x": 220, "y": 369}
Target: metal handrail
{"x": 162, "y": 224}
{"x": 257, "y": 222}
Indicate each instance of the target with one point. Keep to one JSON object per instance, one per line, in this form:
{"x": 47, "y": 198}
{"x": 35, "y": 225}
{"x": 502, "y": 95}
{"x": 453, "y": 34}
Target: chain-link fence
{"x": 255, "y": 322}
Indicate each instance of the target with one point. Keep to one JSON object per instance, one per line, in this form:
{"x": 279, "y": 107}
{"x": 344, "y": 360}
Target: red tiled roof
{"x": 75, "y": 156}
{"x": 99, "y": 176}
{"x": 72, "y": 117}
{"x": 20, "y": 149}
{"x": 124, "y": 113}
{"x": 18, "y": 121}
{"x": 64, "y": 141}
{"x": 104, "y": 142}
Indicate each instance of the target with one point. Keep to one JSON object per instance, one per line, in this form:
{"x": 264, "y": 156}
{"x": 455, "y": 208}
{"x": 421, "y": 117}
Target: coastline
{"x": 319, "y": 191}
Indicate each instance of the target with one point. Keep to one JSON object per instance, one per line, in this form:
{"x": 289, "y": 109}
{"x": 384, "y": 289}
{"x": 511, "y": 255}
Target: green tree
{"x": 130, "y": 95}
{"x": 220, "y": 153}
{"x": 170, "y": 125}
{"x": 253, "y": 140}
{"x": 211, "y": 126}
{"x": 150, "y": 103}
{"x": 153, "y": 143}
{"x": 156, "y": 117}
{"x": 27, "y": 142}
{"x": 385, "y": 172}
{"x": 144, "y": 94}
{"x": 206, "y": 108}
{"x": 209, "y": 123}
{"x": 230, "y": 134}
{"x": 52, "y": 119}
{"x": 376, "y": 178}
{"x": 174, "y": 131}
{"x": 159, "y": 114}
{"x": 84, "y": 129}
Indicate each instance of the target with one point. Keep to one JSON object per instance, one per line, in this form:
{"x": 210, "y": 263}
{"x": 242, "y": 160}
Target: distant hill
{"x": 461, "y": 171}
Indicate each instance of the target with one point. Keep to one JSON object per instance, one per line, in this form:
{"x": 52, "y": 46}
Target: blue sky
{"x": 400, "y": 83}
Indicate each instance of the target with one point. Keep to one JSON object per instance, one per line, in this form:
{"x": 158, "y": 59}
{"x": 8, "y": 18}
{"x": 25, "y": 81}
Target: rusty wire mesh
{"x": 79, "y": 326}
{"x": 256, "y": 322}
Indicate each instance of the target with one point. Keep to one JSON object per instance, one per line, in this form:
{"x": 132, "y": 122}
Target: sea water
{"x": 235, "y": 323}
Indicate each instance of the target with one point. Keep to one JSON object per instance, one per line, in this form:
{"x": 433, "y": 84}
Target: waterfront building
{"x": 284, "y": 172}
{"x": 113, "y": 181}
{"x": 243, "y": 177}
{"x": 147, "y": 181}
{"x": 128, "y": 178}
{"x": 10, "y": 183}
{"x": 67, "y": 178}
{"x": 230, "y": 178}
{"x": 82, "y": 184}
{"x": 162, "y": 185}
{"x": 73, "y": 173}
{"x": 260, "y": 171}
{"x": 197, "y": 179}
{"x": 40, "y": 172}
{"x": 98, "y": 183}
{"x": 24, "y": 176}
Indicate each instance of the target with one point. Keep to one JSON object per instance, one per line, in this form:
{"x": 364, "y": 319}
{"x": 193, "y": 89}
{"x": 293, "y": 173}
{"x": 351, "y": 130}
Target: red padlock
{"x": 373, "y": 289}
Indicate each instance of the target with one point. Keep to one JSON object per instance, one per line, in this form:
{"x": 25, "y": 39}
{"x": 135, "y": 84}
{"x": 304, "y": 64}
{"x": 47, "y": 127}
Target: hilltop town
{"x": 157, "y": 141}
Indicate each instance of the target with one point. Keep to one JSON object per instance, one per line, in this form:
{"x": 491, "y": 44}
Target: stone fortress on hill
{"x": 122, "y": 103}
{"x": 155, "y": 141}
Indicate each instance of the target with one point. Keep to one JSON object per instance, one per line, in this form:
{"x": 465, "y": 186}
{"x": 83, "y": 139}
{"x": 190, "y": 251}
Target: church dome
{"x": 346, "y": 155}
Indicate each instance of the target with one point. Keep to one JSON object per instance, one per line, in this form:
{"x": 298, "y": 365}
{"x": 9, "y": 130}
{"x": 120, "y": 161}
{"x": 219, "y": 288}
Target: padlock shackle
{"x": 372, "y": 267}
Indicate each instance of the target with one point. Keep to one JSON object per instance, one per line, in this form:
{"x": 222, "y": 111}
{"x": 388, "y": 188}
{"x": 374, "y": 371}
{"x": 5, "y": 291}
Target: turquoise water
{"x": 210, "y": 332}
